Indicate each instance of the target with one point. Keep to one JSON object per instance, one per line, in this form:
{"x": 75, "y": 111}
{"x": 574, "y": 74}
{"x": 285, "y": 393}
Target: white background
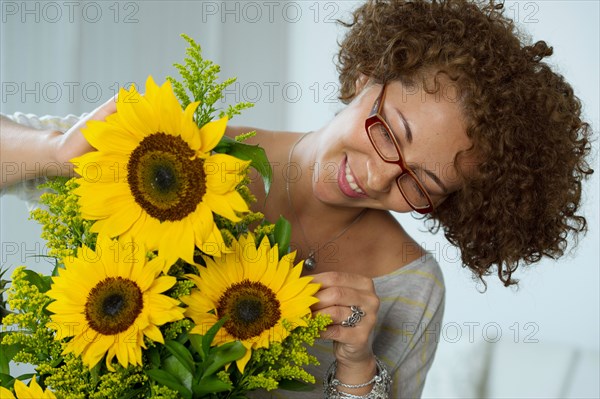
{"x": 68, "y": 57}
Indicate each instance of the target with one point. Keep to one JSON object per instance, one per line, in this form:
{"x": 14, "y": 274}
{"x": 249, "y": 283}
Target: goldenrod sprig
{"x": 62, "y": 225}
{"x": 200, "y": 79}
{"x": 281, "y": 365}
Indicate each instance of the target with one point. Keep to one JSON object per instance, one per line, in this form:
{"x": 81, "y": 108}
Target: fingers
{"x": 109, "y": 107}
{"x": 345, "y": 289}
{"x": 350, "y": 300}
{"x": 72, "y": 143}
{"x": 340, "y": 279}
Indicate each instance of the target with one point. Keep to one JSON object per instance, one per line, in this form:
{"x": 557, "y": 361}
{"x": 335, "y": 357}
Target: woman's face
{"x": 429, "y": 128}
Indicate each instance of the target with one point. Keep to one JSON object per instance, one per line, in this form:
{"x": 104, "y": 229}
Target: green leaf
{"x": 154, "y": 356}
{"x": 209, "y": 385}
{"x": 253, "y": 153}
{"x": 41, "y": 282}
{"x": 57, "y": 362}
{"x": 283, "y": 234}
{"x": 183, "y": 337}
{"x": 7, "y": 352}
{"x": 7, "y": 380}
{"x": 196, "y": 343}
{"x": 224, "y": 145}
{"x": 182, "y": 354}
{"x": 2, "y": 271}
{"x": 224, "y": 354}
{"x": 295, "y": 385}
{"x": 95, "y": 374}
{"x": 173, "y": 366}
{"x": 170, "y": 381}
{"x": 208, "y": 338}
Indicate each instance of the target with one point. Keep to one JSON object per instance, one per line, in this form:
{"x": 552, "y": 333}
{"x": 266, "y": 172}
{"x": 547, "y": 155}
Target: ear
{"x": 361, "y": 82}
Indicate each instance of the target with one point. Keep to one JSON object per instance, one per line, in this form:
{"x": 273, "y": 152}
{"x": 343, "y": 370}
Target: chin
{"x": 327, "y": 193}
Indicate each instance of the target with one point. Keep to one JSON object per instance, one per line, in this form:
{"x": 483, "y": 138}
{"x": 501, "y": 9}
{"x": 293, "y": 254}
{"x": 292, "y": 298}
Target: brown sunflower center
{"x": 252, "y": 308}
{"x": 113, "y": 305}
{"x": 164, "y": 178}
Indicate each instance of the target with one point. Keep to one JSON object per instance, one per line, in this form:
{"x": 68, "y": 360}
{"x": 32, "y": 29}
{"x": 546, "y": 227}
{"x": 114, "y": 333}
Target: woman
{"x": 448, "y": 115}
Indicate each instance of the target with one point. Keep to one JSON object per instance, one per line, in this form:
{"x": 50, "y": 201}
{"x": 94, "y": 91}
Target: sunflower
{"x": 33, "y": 391}
{"x": 256, "y": 290}
{"x": 154, "y": 178}
{"x": 108, "y": 300}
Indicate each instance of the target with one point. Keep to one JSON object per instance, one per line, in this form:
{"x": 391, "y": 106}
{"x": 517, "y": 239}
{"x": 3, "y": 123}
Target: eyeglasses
{"x": 387, "y": 147}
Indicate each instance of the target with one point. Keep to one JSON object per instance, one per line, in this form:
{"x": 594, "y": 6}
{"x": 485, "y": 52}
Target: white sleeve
{"x": 28, "y": 190}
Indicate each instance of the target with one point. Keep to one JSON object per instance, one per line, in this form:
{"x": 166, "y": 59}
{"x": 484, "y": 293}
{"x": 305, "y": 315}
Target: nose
{"x": 382, "y": 175}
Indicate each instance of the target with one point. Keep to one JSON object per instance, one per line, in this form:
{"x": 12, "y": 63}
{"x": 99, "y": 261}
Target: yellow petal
{"x": 6, "y": 394}
{"x": 212, "y": 132}
{"x": 154, "y": 334}
{"x": 135, "y": 113}
{"x": 220, "y": 207}
{"x": 162, "y": 284}
{"x": 241, "y": 363}
{"x": 189, "y": 129}
{"x": 170, "y": 110}
{"x": 108, "y": 137}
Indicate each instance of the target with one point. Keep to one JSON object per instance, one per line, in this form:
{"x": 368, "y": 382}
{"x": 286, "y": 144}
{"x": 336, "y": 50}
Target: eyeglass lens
{"x": 407, "y": 184}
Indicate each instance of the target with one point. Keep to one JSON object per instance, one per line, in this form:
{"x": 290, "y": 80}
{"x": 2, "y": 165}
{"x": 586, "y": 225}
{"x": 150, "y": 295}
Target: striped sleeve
{"x": 411, "y": 311}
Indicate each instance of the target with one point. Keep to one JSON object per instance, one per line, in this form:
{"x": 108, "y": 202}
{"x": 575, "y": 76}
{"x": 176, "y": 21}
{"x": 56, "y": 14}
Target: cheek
{"x": 326, "y": 174}
{"x": 394, "y": 202}
{"x": 323, "y": 174}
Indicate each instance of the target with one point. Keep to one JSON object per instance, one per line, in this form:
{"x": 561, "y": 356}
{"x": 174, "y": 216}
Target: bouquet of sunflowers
{"x": 162, "y": 284}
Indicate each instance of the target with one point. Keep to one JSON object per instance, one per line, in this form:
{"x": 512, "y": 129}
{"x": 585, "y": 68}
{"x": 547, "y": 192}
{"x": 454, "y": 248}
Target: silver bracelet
{"x": 382, "y": 384}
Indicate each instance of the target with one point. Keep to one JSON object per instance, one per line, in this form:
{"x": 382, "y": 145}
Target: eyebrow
{"x": 409, "y": 139}
{"x": 437, "y": 180}
{"x": 409, "y": 135}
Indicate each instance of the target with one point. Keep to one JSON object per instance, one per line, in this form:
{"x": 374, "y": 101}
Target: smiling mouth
{"x": 352, "y": 181}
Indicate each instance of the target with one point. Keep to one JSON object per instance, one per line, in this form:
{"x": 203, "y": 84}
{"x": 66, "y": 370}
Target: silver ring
{"x": 354, "y": 318}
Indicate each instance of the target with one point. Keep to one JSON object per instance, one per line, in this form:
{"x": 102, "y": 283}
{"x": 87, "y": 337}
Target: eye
{"x": 418, "y": 190}
{"x": 384, "y": 133}
{"x": 428, "y": 184}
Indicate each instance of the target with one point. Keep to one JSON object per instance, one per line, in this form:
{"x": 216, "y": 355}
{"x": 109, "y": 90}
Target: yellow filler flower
{"x": 256, "y": 290}
{"x": 108, "y": 300}
{"x": 33, "y": 391}
{"x": 154, "y": 178}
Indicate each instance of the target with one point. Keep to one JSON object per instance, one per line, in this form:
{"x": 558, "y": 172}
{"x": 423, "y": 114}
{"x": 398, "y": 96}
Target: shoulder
{"x": 423, "y": 274}
{"x": 416, "y": 290}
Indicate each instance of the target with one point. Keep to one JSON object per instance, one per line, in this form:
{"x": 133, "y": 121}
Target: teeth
{"x": 351, "y": 181}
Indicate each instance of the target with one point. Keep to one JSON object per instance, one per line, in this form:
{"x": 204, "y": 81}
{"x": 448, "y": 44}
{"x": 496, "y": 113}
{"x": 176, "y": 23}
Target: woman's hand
{"x": 29, "y": 153}
{"x": 352, "y": 345}
{"x": 72, "y": 144}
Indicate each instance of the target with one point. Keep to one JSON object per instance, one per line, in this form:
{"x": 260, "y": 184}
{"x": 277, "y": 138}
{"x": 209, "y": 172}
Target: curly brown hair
{"x": 524, "y": 122}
